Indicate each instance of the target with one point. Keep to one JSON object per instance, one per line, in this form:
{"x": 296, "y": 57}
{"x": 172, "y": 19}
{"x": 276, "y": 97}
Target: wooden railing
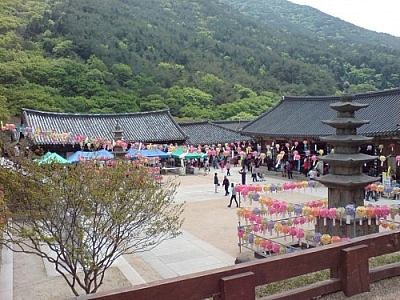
{"x": 347, "y": 262}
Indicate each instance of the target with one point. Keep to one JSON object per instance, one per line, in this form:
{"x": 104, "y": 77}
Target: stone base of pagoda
{"x": 350, "y": 229}
{"x": 346, "y": 181}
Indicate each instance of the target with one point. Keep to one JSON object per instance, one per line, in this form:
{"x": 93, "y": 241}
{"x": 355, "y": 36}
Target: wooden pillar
{"x": 238, "y": 287}
{"x": 354, "y": 270}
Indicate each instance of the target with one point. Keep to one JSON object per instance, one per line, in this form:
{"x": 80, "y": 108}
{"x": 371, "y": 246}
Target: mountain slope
{"x": 202, "y": 59}
{"x": 350, "y": 52}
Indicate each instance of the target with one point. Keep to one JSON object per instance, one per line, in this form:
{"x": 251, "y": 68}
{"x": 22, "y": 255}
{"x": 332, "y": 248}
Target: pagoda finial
{"x": 118, "y": 132}
{"x": 117, "y": 126}
{"x": 346, "y": 86}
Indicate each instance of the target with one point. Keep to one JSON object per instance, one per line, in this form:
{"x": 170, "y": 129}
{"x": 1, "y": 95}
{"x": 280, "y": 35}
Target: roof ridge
{"x": 378, "y": 93}
{"x": 50, "y": 113}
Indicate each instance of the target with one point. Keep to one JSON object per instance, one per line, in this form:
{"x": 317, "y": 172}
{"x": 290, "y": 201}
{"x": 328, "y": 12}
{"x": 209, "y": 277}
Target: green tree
{"x": 81, "y": 218}
{"x": 122, "y": 72}
{"x": 4, "y": 112}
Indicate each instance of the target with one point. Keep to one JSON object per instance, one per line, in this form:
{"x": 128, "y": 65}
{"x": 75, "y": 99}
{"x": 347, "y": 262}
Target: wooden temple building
{"x": 296, "y": 121}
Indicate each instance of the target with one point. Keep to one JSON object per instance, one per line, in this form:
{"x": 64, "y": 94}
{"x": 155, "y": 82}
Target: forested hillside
{"x": 202, "y": 59}
{"x": 368, "y": 60}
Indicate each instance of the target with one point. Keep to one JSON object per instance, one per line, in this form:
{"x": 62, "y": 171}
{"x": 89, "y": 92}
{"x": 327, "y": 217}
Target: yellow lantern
{"x": 148, "y": 146}
{"x": 321, "y": 152}
{"x": 326, "y": 239}
{"x": 380, "y": 147}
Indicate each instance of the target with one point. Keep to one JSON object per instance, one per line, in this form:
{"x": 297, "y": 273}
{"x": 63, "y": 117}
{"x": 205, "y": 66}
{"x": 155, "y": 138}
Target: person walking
{"x": 216, "y": 182}
{"x": 225, "y": 183}
{"x": 206, "y": 167}
{"x": 233, "y": 195}
{"x": 222, "y": 165}
{"x": 306, "y": 167}
{"x": 228, "y": 169}
{"x": 215, "y": 163}
{"x": 289, "y": 170}
{"x": 243, "y": 173}
{"x": 254, "y": 172}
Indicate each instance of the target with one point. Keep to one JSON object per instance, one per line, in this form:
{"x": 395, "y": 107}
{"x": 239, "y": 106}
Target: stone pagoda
{"x": 118, "y": 151}
{"x": 345, "y": 181}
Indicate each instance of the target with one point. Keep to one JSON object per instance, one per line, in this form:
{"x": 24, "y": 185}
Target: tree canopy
{"x": 82, "y": 217}
{"x": 190, "y": 56}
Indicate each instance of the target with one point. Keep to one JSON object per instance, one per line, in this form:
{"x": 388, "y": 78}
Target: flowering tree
{"x": 87, "y": 215}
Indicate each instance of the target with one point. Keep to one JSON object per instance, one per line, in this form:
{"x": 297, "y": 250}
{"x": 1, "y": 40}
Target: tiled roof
{"x": 301, "y": 116}
{"x": 153, "y": 126}
{"x": 206, "y": 132}
{"x": 236, "y": 125}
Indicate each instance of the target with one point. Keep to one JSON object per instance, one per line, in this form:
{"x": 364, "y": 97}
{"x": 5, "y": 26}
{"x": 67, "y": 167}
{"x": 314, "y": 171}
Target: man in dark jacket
{"x": 225, "y": 183}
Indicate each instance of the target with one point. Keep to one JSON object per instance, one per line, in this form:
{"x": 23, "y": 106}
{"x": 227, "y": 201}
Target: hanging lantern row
{"x": 300, "y": 214}
{"x": 248, "y": 235}
{"x": 296, "y": 234}
{"x": 246, "y": 189}
{"x": 382, "y": 188}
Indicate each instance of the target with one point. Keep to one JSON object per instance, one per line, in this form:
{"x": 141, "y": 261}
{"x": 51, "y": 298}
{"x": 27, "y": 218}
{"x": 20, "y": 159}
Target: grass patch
{"x": 304, "y": 280}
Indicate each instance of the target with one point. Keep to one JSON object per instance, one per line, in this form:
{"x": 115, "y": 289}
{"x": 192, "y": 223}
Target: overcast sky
{"x": 377, "y": 15}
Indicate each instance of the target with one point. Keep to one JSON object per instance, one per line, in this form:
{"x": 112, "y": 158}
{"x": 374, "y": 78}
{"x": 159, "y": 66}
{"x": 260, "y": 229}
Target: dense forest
{"x": 201, "y": 59}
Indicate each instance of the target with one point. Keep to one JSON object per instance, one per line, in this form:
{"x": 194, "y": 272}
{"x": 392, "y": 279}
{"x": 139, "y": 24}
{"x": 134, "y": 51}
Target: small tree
{"x": 87, "y": 215}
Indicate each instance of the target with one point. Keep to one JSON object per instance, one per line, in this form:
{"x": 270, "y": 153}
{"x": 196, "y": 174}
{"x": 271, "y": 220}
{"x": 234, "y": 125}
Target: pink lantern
{"x": 297, "y": 157}
{"x": 287, "y": 145}
{"x": 391, "y": 146}
{"x": 398, "y": 160}
{"x": 314, "y": 158}
{"x": 296, "y": 143}
{"x": 295, "y": 152}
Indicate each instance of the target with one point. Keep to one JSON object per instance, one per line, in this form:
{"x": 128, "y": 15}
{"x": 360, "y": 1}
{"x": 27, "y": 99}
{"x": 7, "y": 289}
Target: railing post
{"x": 238, "y": 287}
{"x": 354, "y": 270}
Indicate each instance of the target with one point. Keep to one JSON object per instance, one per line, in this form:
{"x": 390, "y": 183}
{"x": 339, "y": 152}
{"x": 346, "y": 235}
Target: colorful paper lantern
{"x": 382, "y": 158}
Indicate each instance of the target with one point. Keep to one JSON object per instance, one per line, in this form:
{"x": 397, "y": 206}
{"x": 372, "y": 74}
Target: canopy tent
{"x": 154, "y": 153}
{"x": 180, "y": 153}
{"x": 89, "y": 155}
{"x": 103, "y": 154}
{"x": 132, "y": 153}
{"x": 51, "y": 157}
{"x": 150, "y": 153}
